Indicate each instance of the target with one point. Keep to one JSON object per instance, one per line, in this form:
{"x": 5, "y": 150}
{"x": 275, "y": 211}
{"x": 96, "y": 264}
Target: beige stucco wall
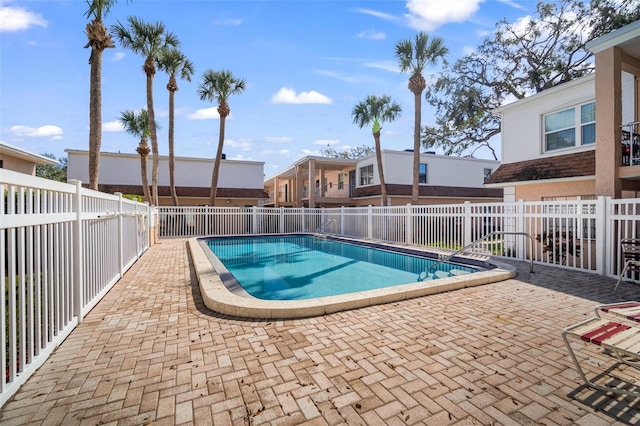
{"x": 331, "y": 180}
{"x": 535, "y": 192}
{"x": 18, "y": 165}
{"x": 608, "y": 119}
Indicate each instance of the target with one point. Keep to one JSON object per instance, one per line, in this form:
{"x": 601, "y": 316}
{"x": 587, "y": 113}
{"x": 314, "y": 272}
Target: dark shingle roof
{"x": 431, "y": 191}
{"x": 557, "y": 167}
{"x": 183, "y": 191}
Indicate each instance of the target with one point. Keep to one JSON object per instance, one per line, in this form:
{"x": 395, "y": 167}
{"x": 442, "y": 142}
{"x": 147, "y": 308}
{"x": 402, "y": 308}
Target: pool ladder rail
{"x": 432, "y": 273}
{"x": 324, "y": 226}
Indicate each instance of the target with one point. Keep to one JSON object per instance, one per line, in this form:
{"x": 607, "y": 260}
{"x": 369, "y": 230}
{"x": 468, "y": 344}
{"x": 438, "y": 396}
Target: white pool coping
{"x": 220, "y": 299}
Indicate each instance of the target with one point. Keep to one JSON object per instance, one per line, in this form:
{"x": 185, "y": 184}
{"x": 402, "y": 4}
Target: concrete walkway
{"x": 151, "y": 353}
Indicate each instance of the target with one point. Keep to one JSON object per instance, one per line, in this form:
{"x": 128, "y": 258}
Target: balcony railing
{"x": 631, "y": 144}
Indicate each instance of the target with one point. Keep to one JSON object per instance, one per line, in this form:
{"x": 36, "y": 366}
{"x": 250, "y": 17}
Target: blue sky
{"x": 306, "y": 63}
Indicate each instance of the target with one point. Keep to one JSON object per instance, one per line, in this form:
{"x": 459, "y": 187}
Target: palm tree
{"x": 99, "y": 40}
{"x": 414, "y": 57}
{"x": 138, "y": 126}
{"x": 149, "y": 40}
{"x": 172, "y": 61}
{"x": 376, "y": 110}
{"x": 219, "y": 85}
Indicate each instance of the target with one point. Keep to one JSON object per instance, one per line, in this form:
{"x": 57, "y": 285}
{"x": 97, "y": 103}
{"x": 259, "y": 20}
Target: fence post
{"x": 78, "y": 282}
{"x": 304, "y": 220}
{"x": 254, "y": 220}
{"x": 121, "y": 234}
{"x": 520, "y": 252}
{"x": 604, "y": 236}
{"x": 341, "y": 220}
{"x": 408, "y": 237}
{"x": 281, "y": 220}
{"x": 147, "y": 225}
{"x": 370, "y": 222}
{"x": 467, "y": 239}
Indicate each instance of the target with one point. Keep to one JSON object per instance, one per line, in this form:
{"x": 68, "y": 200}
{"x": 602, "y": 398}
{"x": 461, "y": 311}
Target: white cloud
{"x": 512, "y": 4}
{"x": 284, "y": 153}
{"x": 243, "y": 145}
{"x": 372, "y": 35}
{"x": 112, "y": 126}
{"x": 281, "y": 139}
{"x": 377, "y": 14}
{"x": 325, "y": 142}
{"x": 228, "y": 21}
{"x": 521, "y": 27}
{"x": 338, "y": 76}
{"x": 204, "y": 114}
{"x": 427, "y": 15}
{"x": 289, "y": 96}
{"x": 53, "y": 132}
{"x": 468, "y": 50}
{"x": 521, "y": 24}
{"x": 17, "y": 19}
{"x": 180, "y": 111}
{"x": 240, "y": 157}
{"x": 117, "y": 56}
{"x": 266, "y": 152}
{"x": 315, "y": 153}
{"x": 384, "y": 65}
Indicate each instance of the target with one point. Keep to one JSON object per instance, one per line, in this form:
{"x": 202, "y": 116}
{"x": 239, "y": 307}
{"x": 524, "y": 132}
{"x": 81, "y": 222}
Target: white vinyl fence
{"x": 63, "y": 247}
{"x": 575, "y": 234}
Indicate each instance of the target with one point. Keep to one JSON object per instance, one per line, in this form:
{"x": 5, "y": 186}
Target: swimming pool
{"x": 222, "y": 293}
{"x": 299, "y": 267}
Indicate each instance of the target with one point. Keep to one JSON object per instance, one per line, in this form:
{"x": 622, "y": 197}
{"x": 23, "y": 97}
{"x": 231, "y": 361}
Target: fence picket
{"x": 573, "y": 234}
{"x": 60, "y": 249}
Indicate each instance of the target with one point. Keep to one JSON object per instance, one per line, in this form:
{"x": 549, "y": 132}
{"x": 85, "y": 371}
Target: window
{"x": 588, "y": 123}
{"x": 560, "y": 127}
{"x": 340, "y": 180}
{"x": 487, "y": 174}
{"x": 422, "y": 175}
{"x": 366, "y": 175}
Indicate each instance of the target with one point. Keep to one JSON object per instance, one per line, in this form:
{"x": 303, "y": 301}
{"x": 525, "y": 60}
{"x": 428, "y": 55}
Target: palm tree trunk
{"x": 145, "y": 180}
{"x": 172, "y": 160}
{"x": 216, "y": 164}
{"x": 154, "y": 139}
{"x": 95, "y": 116}
{"x": 415, "y": 187}
{"x": 383, "y": 185}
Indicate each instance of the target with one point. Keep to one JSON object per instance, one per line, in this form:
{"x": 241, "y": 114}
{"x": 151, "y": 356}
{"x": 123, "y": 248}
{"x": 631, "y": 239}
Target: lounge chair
{"x": 623, "y": 310}
{"x": 630, "y": 257}
{"x": 620, "y": 337}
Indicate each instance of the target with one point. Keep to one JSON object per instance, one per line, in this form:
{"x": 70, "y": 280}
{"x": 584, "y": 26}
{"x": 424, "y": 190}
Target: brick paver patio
{"x": 151, "y": 353}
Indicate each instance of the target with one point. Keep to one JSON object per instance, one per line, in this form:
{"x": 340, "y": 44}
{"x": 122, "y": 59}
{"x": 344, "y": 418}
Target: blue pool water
{"x": 303, "y": 267}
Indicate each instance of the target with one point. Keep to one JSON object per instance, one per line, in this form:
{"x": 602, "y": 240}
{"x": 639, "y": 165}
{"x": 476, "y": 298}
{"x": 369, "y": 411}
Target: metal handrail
{"x": 443, "y": 259}
{"x": 324, "y": 225}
